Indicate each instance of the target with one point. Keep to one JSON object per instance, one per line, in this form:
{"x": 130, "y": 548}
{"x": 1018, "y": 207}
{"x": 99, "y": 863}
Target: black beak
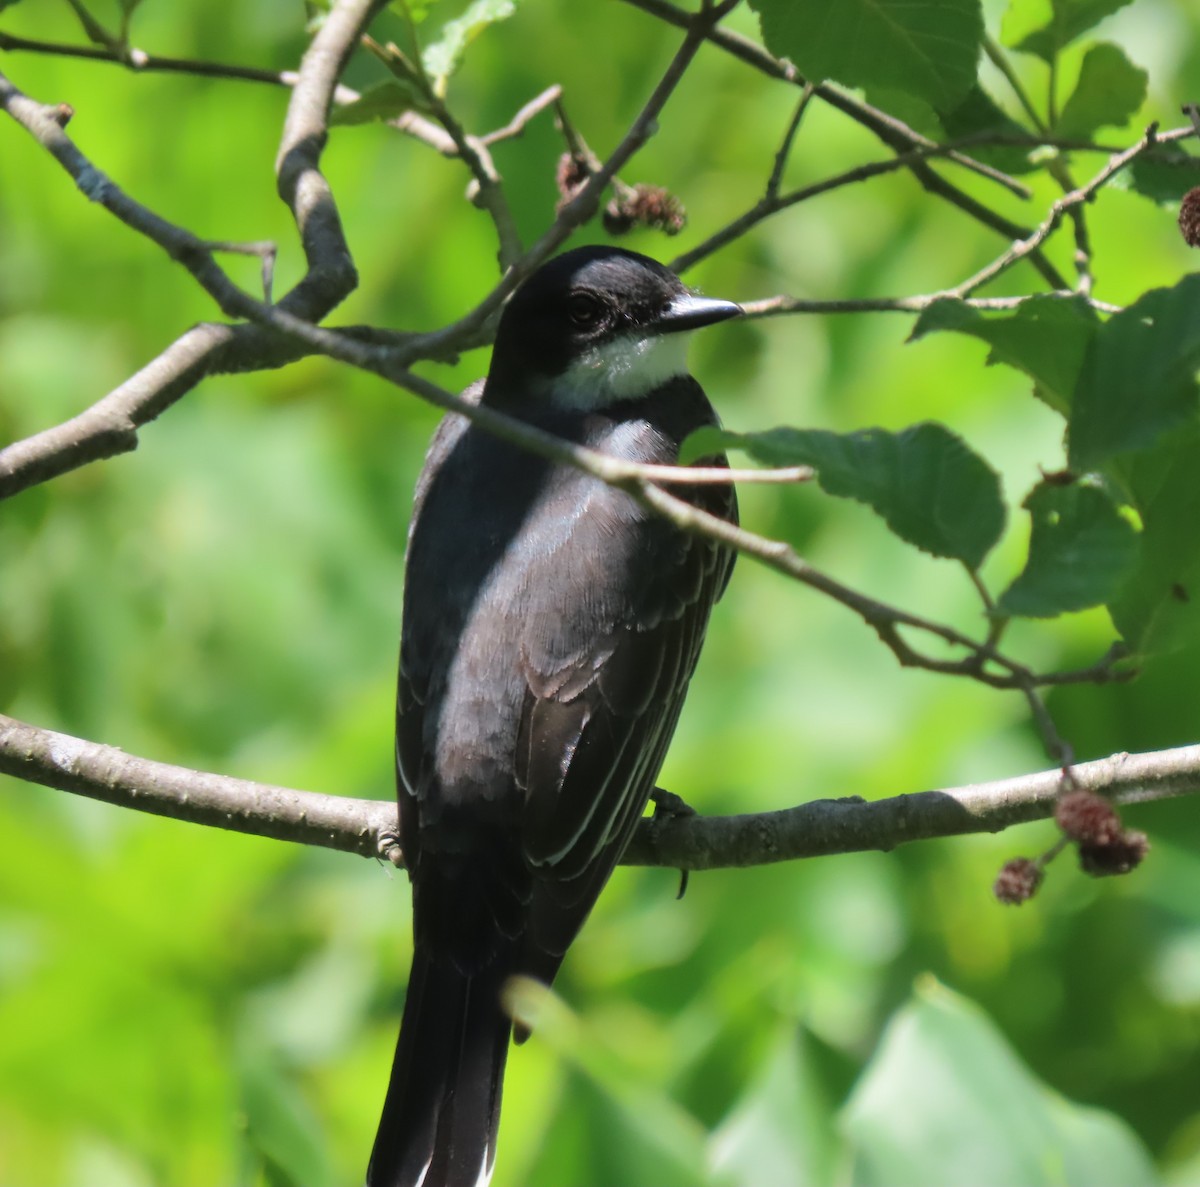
{"x": 689, "y": 312}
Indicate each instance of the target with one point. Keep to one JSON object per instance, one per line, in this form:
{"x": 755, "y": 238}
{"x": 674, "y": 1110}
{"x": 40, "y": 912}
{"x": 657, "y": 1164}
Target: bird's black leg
{"x": 669, "y": 806}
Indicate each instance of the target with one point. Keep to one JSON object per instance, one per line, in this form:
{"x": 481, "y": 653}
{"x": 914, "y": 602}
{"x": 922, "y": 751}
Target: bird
{"x": 550, "y": 626}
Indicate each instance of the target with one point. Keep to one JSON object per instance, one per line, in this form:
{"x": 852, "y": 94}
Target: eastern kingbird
{"x": 551, "y": 626}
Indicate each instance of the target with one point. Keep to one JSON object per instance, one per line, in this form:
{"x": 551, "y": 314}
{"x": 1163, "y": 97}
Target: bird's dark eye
{"x": 584, "y": 310}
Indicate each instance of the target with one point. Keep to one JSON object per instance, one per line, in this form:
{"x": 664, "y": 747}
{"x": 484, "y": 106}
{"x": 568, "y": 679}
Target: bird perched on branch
{"x": 551, "y": 626}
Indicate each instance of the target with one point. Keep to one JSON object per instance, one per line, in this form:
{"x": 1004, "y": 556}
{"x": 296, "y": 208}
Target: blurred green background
{"x": 179, "y": 1006}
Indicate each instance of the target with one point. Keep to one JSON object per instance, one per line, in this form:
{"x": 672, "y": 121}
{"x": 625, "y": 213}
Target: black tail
{"x": 442, "y": 1108}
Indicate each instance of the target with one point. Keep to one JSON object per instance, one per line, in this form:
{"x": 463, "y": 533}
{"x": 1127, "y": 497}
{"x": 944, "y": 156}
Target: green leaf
{"x": 945, "y": 1102}
{"x": 280, "y": 1127}
{"x": 659, "y": 1141}
{"x": 1080, "y": 551}
{"x": 780, "y": 1133}
{"x": 1138, "y": 376}
{"x": 443, "y": 57}
{"x": 931, "y": 489}
{"x": 1110, "y": 91}
{"x": 929, "y": 49}
{"x": 1158, "y": 609}
{"x": 917, "y": 113}
{"x": 1046, "y": 337}
{"x": 1068, "y": 19}
{"x": 974, "y": 114}
{"x": 383, "y": 101}
{"x": 1164, "y": 175}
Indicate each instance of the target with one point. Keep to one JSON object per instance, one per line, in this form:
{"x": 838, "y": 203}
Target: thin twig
{"x": 266, "y": 251}
{"x": 772, "y": 202}
{"x": 93, "y": 29}
{"x": 487, "y": 193}
{"x": 776, "y": 306}
{"x": 520, "y": 121}
{"x": 44, "y": 124}
{"x": 411, "y": 123}
{"x": 142, "y": 62}
{"x": 892, "y": 131}
{"x": 1056, "y": 746}
{"x": 725, "y": 476}
{"x": 474, "y": 326}
{"x": 999, "y": 59}
{"x": 888, "y": 622}
{"x": 789, "y": 137}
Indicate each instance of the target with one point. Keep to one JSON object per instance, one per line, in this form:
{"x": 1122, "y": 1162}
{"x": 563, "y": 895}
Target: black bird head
{"x": 593, "y": 327}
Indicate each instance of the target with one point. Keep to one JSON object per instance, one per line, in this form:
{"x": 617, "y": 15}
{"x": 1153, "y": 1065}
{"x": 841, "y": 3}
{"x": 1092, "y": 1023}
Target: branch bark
{"x": 369, "y": 828}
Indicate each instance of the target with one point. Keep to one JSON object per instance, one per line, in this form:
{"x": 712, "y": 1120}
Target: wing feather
{"x": 561, "y": 660}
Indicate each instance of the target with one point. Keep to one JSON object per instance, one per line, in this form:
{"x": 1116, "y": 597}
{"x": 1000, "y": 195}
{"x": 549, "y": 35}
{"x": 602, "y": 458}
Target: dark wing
{"x": 606, "y": 679}
{"x": 551, "y": 628}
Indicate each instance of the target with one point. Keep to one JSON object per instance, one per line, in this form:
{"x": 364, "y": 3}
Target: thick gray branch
{"x": 331, "y": 275}
{"x": 260, "y": 809}
{"x": 368, "y": 827}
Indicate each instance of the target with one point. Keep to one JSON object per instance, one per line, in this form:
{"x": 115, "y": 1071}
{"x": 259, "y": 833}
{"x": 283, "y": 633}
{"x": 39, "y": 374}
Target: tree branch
{"x": 110, "y": 426}
{"x": 141, "y": 62}
{"x": 331, "y": 274}
{"x": 410, "y": 122}
{"x": 1064, "y": 205}
{"x": 773, "y": 202}
{"x": 369, "y": 827}
{"x": 889, "y": 623}
{"x": 45, "y": 124}
{"x": 307, "y": 192}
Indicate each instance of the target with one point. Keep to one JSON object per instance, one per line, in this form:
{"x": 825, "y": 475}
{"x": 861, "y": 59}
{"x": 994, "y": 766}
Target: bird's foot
{"x": 668, "y": 805}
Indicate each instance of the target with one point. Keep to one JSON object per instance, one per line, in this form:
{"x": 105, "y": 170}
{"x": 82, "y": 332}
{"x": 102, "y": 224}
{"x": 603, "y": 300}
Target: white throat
{"x": 624, "y": 369}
